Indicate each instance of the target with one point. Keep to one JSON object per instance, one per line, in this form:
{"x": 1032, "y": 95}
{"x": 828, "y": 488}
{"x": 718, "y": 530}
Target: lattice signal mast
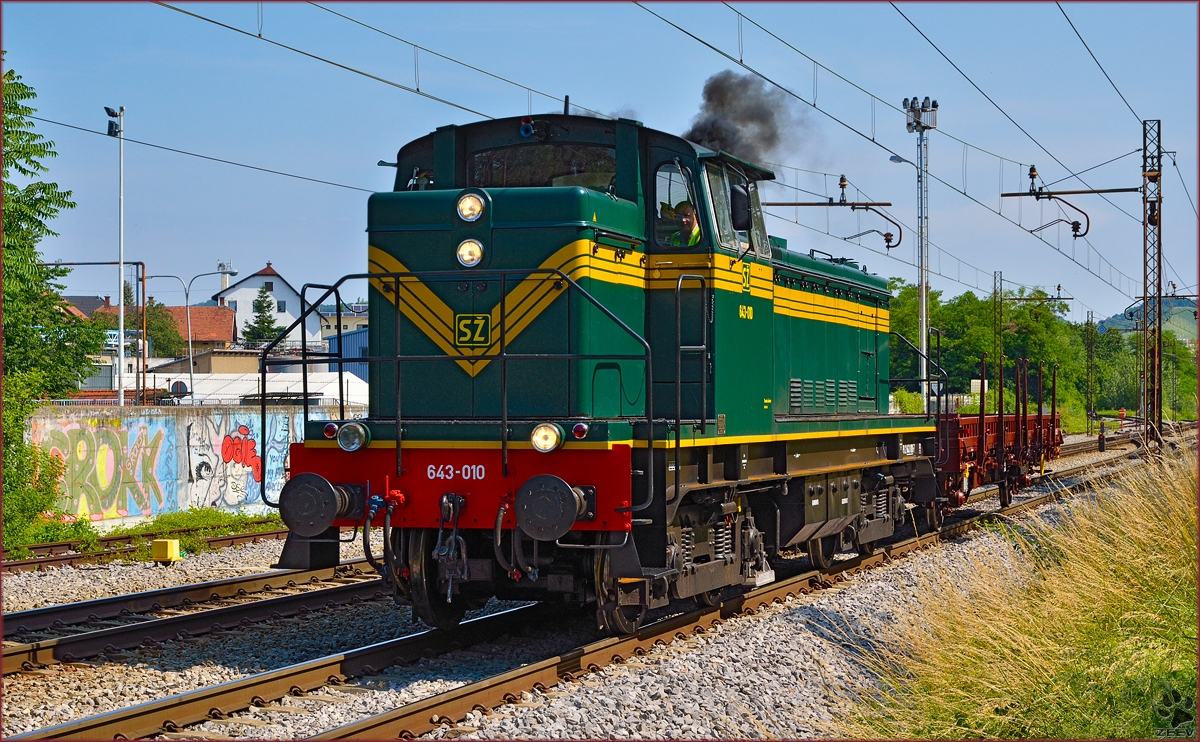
{"x": 1152, "y": 279}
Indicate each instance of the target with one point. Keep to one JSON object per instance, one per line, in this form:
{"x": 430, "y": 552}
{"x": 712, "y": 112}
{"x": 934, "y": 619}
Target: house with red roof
{"x": 240, "y": 297}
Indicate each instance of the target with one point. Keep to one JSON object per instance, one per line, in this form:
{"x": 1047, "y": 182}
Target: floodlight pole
{"x": 920, "y": 117}
{"x": 117, "y": 129}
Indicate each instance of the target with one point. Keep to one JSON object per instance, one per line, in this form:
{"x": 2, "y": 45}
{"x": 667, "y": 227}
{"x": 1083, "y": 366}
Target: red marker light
{"x": 580, "y": 430}
{"x": 331, "y": 430}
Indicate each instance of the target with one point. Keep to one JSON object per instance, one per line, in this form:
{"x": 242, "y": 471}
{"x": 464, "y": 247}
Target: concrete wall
{"x": 122, "y": 465}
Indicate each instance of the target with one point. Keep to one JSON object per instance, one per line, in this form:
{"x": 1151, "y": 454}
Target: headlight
{"x": 546, "y": 437}
{"x": 353, "y": 436}
{"x": 470, "y": 252}
{"x": 470, "y": 207}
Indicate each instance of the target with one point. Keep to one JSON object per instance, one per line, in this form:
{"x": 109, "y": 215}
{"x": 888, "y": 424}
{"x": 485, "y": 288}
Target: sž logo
{"x": 472, "y": 330}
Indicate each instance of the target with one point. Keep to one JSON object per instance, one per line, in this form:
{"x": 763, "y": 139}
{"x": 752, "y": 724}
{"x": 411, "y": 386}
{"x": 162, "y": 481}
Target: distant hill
{"x": 1179, "y": 318}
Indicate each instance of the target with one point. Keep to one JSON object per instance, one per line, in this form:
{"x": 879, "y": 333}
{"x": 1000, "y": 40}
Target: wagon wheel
{"x": 613, "y": 618}
{"x": 708, "y": 598}
{"x": 866, "y": 548}
{"x": 428, "y": 601}
{"x": 821, "y": 551}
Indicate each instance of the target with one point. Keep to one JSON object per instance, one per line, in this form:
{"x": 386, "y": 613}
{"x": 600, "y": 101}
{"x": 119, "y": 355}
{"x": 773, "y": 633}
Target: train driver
{"x": 689, "y": 226}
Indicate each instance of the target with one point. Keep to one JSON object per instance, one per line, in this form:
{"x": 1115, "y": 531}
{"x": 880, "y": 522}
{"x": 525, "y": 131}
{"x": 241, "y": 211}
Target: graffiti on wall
{"x": 229, "y": 461}
{"x": 160, "y": 460}
{"x": 114, "y": 468}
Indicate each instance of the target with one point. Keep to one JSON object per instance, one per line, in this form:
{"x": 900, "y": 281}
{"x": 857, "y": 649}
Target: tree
{"x": 262, "y": 326}
{"x": 39, "y": 335}
{"x": 165, "y": 337}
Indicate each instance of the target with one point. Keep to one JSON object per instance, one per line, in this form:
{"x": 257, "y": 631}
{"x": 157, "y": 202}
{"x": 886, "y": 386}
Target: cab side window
{"x": 736, "y": 180}
{"x": 762, "y": 245}
{"x": 719, "y": 190}
{"x": 676, "y": 223}
{"x": 724, "y": 184}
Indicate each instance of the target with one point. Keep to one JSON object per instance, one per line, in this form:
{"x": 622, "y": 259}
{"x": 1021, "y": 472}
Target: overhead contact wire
{"x": 1097, "y": 61}
{"x": 456, "y": 61}
{"x": 885, "y": 148}
{"x": 310, "y": 55}
{"x": 1005, "y": 113}
{"x": 207, "y": 157}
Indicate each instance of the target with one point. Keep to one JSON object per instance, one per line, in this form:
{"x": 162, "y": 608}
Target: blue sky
{"x": 195, "y": 86}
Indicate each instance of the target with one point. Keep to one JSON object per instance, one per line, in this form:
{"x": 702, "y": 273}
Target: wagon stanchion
{"x": 981, "y": 444}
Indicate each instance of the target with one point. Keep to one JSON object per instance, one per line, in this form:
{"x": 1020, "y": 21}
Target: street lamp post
{"x": 920, "y": 117}
{"x": 187, "y": 308}
{"x": 117, "y": 129}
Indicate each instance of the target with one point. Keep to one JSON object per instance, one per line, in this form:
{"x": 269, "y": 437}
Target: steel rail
{"x": 60, "y": 559}
{"x": 37, "y": 619}
{"x": 214, "y": 702}
{"x": 172, "y": 714}
{"x": 76, "y": 647}
{"x": 428, "y": 714}
{"x": 58, "y": 547}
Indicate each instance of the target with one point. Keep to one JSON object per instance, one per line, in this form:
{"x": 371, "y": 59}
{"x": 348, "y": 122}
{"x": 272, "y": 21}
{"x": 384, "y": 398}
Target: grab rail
{"x": 397, "y": 280}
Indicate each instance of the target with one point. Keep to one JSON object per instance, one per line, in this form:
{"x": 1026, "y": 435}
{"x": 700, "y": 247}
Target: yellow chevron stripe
{"x": 523, "y": 303}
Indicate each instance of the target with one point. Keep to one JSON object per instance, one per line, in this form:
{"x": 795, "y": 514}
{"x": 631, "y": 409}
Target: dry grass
{"x": 1084, "y": 627}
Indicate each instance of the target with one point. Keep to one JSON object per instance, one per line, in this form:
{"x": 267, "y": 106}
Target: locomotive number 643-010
{"x": 449, "y": 471}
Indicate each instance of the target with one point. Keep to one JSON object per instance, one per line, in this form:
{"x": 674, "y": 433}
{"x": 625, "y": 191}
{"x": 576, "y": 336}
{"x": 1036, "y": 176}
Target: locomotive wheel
{"x": 617, "y": 619}
{"x": 866, "y": 549}
{"x": 428, "y": 601}
{"x": 708, "y": 599}
{"x": 821, "y": 550}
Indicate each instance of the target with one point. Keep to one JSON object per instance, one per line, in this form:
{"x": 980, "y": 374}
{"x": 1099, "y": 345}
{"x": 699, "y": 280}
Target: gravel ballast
{"x": 782, "y": 672}
{"x": 58, "y": 585}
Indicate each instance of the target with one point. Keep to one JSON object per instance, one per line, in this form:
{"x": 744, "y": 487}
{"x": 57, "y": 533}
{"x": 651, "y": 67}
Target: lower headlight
{"x": 353, "y": 436}
{"x": 470, "y": 252}
{"x": 546, "y": 437}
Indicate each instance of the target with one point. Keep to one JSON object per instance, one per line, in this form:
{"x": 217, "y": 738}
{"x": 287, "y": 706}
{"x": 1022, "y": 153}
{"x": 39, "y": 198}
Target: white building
{"x": 240, "y": 298}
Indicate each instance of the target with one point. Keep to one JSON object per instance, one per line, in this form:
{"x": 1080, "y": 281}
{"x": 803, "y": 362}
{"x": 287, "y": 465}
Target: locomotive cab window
{"x": 544, "y": 165}
{"x": 731, "y": 192}
{"x": 676, "y": 223}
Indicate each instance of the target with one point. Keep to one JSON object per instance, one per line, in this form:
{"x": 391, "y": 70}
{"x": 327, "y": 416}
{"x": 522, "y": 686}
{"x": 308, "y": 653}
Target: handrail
{"x": 942, "y": 376}
{"x": 397, "y": 280}
{"x": 702, "y": 349}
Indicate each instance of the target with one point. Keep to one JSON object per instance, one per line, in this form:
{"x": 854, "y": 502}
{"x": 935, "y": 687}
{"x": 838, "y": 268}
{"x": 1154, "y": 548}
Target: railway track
{"x": 76, "y": 631}
{"x": 66, "y": 553}
{"x": 216, "y": 702}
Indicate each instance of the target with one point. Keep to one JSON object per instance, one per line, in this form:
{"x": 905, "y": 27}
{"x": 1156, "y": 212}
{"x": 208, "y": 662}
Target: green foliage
{"x": 205, "y": 522}
{"x": 31, "y": 513}
{"x": 39, "y": 336}
{"x": 262, "y": 326}
{"x": 908, "y": 402}
{"x": 161, "y": 327}
{"x": 1037, "y": 330}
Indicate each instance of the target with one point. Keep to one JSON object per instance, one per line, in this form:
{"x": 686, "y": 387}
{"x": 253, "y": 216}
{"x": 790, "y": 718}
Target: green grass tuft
{"x": 207, "y": 522}
{"x": 1086, "y": 630}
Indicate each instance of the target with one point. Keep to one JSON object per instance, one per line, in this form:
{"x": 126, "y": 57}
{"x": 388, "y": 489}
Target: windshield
{"x": 541, "y": 165}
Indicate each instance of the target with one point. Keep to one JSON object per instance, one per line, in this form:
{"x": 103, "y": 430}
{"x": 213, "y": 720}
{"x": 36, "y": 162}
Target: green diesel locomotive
{"x": 595, "y": 378}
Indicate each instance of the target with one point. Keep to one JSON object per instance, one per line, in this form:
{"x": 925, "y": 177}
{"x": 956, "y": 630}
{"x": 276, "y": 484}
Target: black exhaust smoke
{"x": 742, "y": 115}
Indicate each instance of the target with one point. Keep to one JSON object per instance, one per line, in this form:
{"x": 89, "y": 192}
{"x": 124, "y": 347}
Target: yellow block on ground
{"x": 165, "y": 550}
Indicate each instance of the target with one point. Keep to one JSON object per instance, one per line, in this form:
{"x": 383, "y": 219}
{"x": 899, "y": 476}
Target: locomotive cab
{"x": 594, "y": 378}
